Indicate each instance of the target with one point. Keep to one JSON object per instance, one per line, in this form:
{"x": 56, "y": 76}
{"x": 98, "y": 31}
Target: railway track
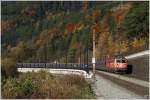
{"x": 139, "y": 87}
{"x": 129, "y": 79}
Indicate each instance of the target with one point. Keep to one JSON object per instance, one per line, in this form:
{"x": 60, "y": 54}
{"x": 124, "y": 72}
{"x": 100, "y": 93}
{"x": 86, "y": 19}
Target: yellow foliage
{"x": 7, "y": 61}
{"x": 38, "y": 43}
{"x": 79, "y": 26}
{"x": 108, "y": 46}
{"x": 124, "y": 7}
{"x": 111, "y": 45}
{"x": 119, "y": 12}
{"x": 8, "y": 65}
{"x": 121, "y": 46}
{"x": 102, "y": 44}
{"x": 15, "y": 52}
{"x": 124, "y": 46}
{"x": 137, "y": 43}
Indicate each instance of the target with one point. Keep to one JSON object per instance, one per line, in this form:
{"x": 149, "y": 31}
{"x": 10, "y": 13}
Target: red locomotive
{"x": 113, "y": 64}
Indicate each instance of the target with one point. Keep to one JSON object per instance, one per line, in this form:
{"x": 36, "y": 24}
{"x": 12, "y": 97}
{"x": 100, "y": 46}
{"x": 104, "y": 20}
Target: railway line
{"x": 110, "y": 85}
{"x": 125, "y": 86}
{"x": 128, "y": 87}
{"x": 125, "y": 78}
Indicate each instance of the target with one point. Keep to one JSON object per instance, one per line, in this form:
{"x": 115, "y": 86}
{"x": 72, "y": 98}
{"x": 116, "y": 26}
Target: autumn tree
{"x": 102, "y": 44}
{"x": 70, "y": 27}
{"x": 8, "y": 68}
{"x": 111, "y": 45}
{"x": 20, "y": 52}
{"x": 85, "y": 5}
{"x": 96, "y": 14}
{"x": 138, "y": 43}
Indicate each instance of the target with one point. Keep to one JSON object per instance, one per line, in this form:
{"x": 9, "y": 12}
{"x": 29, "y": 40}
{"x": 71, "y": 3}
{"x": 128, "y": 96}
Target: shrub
{"x": 74, "y": 80}
{"x": 13, "y": 88}
{"x": 27, "y": 87}
{"x": 10, "y": 89}
{"x": 42, "y": 85}
{"x": 8, "y": 68}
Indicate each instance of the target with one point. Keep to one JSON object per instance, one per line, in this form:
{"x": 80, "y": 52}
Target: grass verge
{"x": 43, "y": 85}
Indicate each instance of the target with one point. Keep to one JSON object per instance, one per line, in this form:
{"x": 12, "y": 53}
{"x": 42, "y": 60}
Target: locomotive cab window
{"x": 118, "y": 61}
{"x": 121, "y": 61}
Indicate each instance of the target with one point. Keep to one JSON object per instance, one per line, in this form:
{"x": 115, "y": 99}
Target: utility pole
{"x": 66, "y": 58}
{"x": 93, "y": 59}
{"x": 80, "y": 54}
{"x": 87, "y": 55}
{"x": 45, "y": 47}
{"x": 46, "y": 56}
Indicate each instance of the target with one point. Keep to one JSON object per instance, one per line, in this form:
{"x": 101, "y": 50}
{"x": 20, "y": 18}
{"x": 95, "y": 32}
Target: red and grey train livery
{"x": 113, "y": 64}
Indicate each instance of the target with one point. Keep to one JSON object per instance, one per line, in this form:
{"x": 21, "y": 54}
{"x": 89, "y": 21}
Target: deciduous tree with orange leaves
{"x": 70, "y": 27}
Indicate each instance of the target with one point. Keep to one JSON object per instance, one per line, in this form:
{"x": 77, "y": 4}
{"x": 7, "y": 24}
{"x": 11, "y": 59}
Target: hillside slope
{"x": 49, "y": 31}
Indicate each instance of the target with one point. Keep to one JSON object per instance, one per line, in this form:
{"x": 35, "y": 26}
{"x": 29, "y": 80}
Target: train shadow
{"x": 129, "y": 69}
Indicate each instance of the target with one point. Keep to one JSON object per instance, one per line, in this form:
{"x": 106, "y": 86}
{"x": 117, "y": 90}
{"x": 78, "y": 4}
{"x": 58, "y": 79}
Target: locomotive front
{"x": 121, "y": 64}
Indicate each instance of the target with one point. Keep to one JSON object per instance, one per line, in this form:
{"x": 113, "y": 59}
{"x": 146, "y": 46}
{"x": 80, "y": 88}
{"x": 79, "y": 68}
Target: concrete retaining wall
{"x": 58, "y": 71}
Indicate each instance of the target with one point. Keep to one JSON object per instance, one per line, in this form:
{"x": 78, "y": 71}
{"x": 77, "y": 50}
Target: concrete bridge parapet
{"x": 58, "y": 71}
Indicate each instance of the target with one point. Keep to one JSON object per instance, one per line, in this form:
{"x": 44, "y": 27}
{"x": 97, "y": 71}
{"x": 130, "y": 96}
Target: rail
{"x": 129, "y": 79}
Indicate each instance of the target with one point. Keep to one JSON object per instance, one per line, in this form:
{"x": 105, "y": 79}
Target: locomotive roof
{"x": 119, "y": 57}
{"x": 115, "y": 57}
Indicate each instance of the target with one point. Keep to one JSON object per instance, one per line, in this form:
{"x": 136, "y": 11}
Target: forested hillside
{"x": 62, "y": 31}
{"x": 50, "y": 30}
